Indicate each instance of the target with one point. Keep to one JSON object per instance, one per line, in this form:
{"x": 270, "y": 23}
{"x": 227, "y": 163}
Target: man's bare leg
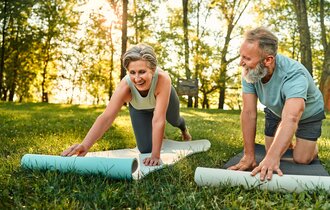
{"x": 268, "y": 142}
{"x": 305, "y": 151}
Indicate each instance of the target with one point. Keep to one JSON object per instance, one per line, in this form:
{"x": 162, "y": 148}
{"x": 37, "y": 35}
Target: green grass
{"x": 50, "y": 128}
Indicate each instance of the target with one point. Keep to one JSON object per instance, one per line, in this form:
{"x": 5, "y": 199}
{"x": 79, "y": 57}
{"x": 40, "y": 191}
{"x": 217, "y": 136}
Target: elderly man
{"x": 293, "y": 105}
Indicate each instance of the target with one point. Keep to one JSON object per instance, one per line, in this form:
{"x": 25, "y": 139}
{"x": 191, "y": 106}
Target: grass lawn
{"x": 50, "y": 128}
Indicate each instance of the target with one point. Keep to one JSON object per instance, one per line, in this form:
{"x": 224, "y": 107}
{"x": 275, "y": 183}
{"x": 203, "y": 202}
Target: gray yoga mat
{"x": 315, "y": 168}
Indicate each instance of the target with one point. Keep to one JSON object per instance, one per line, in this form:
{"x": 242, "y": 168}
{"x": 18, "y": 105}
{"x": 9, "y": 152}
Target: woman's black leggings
{"x": 142, "y": 122}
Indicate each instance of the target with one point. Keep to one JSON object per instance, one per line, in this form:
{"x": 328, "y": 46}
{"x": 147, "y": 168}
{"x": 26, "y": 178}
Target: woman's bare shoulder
{"x": 164, "y": 81}
{"x": 123, "y": 90}
{"x": 163, "y": 75}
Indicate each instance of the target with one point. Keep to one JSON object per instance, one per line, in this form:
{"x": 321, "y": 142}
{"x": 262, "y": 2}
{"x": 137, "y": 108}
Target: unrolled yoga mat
{"x": 285, "y": 183}
{"x": 117, "y": 168}
{"x": 296, "y": 177}
{"x": 117, "y": 164}
{"x": 287, "y": 165}
{"x": 171, "y": 152}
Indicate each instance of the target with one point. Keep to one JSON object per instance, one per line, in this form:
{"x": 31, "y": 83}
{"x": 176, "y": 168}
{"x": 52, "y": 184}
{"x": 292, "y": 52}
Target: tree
{"x": 17, "y": 50}
{"x": 202, "y": 53}
{"x": 124, "y": 37}
{"x": 2, "y": 62}
{"x": 99, "y": 78}
{"x": 325, "y": 77}
{"x": 141, "y": 20}
{"x": 186, "y": 44}
{"x": 279, "y": 16}
{"x": 53, "y": 19}
{"x": 115, "y": 8}
{"x": 232, "y": 12}
{"x": 305, "y": 38}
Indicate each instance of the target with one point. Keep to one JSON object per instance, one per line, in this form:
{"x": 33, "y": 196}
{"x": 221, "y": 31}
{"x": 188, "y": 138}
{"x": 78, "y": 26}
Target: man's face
{"x": 252, "y": 62}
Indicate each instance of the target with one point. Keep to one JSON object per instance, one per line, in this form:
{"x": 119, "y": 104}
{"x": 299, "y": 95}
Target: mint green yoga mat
{"x": 116, "y": 168}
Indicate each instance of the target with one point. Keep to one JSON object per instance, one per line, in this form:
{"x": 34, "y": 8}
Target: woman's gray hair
{"x": 268, "y": 42}
{"x": 140, "y": 52}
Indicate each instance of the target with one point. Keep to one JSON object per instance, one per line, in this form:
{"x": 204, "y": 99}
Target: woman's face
{"x": 140, "y": 74}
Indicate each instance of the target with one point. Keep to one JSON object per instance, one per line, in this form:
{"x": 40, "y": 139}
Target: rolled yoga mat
{"x": 285, "y": 183}
{"x": 296, "y": 178}
{"x": 116, "y": 168}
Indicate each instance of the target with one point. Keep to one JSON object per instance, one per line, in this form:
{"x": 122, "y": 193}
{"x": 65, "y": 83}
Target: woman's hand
{"x": 152, "y": 161}
{"x": 76, "y": 149}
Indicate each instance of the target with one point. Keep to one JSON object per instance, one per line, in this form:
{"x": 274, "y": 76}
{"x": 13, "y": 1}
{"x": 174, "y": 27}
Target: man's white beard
{"x": 256, "y": 74}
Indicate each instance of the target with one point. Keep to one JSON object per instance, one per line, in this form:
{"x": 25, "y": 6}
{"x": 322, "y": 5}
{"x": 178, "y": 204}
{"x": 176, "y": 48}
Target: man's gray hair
{"x": 268, "y": 42}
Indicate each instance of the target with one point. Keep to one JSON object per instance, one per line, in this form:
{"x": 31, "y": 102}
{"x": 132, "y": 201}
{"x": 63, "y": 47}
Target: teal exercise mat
{"x": 315, "y": 168}
{"x": 116, "y": 168}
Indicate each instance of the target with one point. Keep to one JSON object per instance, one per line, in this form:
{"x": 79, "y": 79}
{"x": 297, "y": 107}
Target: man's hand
{"x": 246, "y": 163}
{"x": 76, "y": 149}
{"x": 266, "y": 168}
{"x": 151, "y": 161}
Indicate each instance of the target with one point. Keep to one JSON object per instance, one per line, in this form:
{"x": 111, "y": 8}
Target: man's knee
{"x": 303, "y": 159}
{"x": 305, "y": 151}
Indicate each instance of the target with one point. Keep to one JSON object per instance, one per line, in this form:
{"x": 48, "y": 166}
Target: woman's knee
{"x": 144, "y": 150}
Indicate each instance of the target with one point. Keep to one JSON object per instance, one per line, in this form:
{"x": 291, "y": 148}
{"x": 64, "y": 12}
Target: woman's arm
{"x": 103, "y": 121}
{"x": 163, "y": 91}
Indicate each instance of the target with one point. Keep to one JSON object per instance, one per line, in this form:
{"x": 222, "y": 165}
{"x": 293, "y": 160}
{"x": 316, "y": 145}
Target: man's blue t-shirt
{"x": 290, "y": 79}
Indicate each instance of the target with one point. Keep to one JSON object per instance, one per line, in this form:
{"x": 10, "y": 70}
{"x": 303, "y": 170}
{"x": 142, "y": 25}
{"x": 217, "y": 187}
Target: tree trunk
{"x": 123, "y": 38}
{"x": 43, "y": 84}
{"x": 135, "y": 22}
{"x": 205, "y": 103}
{"x": 112, "y": 52}
{"x": 186, "y": 44}
{"x": 223, "y": 67}
{"x": 2, "y": 63}
{"x": 232, "y": 15}
{"x": 197, "y": 49}
{"x": 325, "y": 77}
{"x": 44, "y": 72}
{"x": 305, "y": 38}
{"x": 12, "y": 85}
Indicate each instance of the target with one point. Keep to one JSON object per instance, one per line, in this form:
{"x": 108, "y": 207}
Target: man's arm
{"x": 291, "y": 114}
{"x": 248, "y": 125}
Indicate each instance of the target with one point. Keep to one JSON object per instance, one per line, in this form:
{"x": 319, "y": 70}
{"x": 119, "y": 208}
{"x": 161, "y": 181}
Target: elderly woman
{"x": 152, "y": 100}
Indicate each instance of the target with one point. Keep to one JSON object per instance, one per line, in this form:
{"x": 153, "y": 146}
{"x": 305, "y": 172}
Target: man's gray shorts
{"x": 309, "y": 129}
